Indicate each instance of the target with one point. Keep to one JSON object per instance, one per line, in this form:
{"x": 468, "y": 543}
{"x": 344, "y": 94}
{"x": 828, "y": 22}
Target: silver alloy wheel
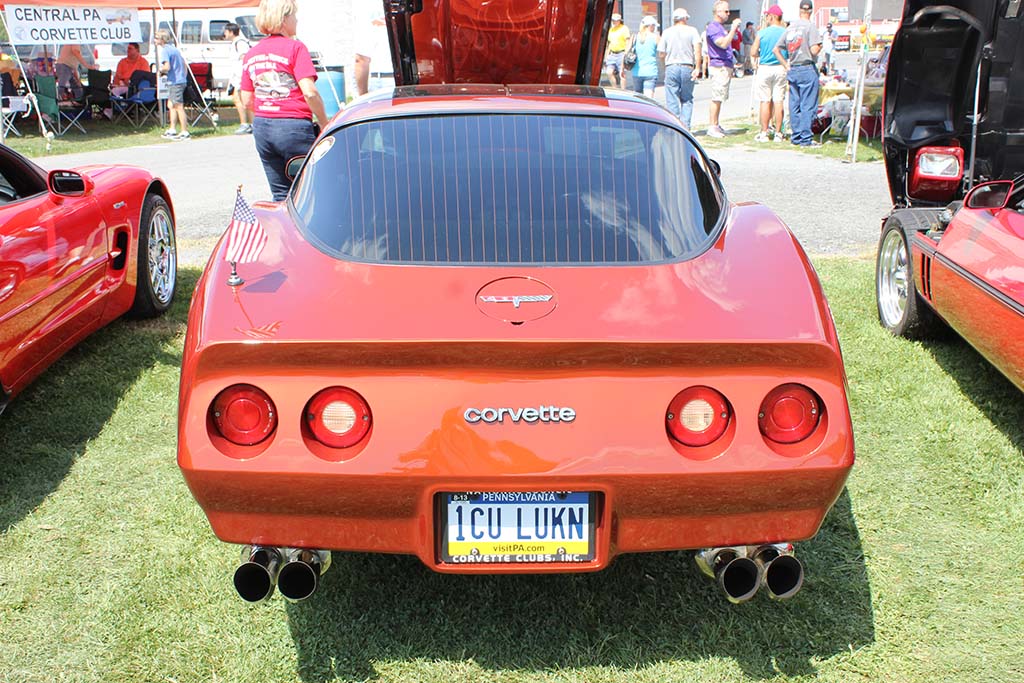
{"x": 163, "y": 261}
{"x": 892, "y": 279}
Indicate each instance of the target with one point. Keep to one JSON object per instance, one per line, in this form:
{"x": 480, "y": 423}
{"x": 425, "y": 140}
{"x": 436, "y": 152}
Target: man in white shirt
{"x": 680, "y": 51}
{"x": 371, "y": 45}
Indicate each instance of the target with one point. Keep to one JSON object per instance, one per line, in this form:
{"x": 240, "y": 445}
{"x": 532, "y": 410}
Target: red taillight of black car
{"x": 244, "y": 414}
{"x": 338, "y": 417}
{"x": 936, "y": 173}
{"x": 698, "y": 416}
{"x": 789, "y": 413}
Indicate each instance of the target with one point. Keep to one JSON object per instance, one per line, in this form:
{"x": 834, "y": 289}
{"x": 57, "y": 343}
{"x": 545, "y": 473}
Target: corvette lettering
{"x": 515, "y": 300}
{"x": 516, "y": 415}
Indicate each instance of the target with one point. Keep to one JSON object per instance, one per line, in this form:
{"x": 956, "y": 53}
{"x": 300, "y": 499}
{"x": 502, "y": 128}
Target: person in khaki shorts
{"x": 721, "y": 58}
{"x": 770, "y": 82}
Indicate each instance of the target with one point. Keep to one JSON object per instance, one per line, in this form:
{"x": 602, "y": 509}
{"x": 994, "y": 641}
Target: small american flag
{"x": 246, "y": 237}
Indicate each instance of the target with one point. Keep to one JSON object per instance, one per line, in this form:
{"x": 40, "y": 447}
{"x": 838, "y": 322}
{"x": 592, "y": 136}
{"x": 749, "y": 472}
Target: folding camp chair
{"x": 97, "y": 94}
{"x": 63, "y": 116}
{"x": 198, "y": 104}
{"x": 10, "y": 106}
{"x": 141, "y": 104}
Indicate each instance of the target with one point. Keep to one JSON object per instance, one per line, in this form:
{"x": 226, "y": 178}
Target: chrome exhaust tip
{"x": 256, "y": 577}
{"x": 783, "y": 574}
{"x": 737, "y": 575}
{"x": 300, "y": 576}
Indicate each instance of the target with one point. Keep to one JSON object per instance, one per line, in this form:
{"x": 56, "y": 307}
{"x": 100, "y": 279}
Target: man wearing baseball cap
{"x": 679, "y": 50}
{"x": 797, "y": 50}
{"x": 618, "y": 40}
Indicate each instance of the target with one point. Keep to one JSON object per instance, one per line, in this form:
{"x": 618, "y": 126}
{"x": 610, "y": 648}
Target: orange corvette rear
{"x": 514, "y": 329}
{"x": 349, "y": 398}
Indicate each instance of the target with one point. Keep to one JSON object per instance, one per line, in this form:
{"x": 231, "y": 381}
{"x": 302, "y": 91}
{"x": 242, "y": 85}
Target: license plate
{"x": 522, "y": 527}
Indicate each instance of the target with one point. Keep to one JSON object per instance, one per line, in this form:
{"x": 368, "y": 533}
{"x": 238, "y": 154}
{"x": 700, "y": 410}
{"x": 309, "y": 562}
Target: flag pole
{"x": 234, "y": 280}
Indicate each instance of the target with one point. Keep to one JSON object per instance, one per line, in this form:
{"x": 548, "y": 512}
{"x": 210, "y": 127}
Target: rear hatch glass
{"x": 508, "y": 189}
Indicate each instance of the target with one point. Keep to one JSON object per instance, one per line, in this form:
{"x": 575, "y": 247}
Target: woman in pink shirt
{"x": 279, "y": 85}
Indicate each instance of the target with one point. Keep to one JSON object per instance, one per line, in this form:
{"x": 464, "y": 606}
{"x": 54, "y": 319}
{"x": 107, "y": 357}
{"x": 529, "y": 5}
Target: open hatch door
{"x": 498, "y": 41}
{"x": 934, "y": 64}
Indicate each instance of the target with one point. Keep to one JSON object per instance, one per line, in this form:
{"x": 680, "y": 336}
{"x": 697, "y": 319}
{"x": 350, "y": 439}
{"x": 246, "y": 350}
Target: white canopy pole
{"x": 47, "y": 135}
{"x": 854, "y": 136}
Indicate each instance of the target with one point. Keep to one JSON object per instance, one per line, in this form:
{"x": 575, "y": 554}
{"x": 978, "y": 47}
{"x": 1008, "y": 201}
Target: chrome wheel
{"x": 163, "y": 259}
{"x": 892, "y": 279}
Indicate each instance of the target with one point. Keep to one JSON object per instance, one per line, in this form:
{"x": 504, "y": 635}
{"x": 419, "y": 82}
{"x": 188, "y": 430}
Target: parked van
{"x": 200, "y": 39}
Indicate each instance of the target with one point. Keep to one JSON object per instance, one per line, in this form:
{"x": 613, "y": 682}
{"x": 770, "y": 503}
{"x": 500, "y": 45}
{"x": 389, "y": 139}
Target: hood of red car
{"x": 498, "y": 41}
{"x": 930, "y": 86}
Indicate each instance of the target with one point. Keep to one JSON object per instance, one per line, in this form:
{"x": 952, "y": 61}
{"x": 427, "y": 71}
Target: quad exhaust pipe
{"x": 741, "y": 570}
{"x": 295, "y": 572}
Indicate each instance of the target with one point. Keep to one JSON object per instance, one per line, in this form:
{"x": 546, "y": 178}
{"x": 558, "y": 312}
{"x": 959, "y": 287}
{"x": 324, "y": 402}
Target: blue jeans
{"x": 679, "y": 91}
{"x": 644, "y": 85}
{"x": 277, "y": 141}
{"x": 803, "y": 102}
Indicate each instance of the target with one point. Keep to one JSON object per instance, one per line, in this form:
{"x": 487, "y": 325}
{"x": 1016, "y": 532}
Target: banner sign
{"x": 30, "y": 25}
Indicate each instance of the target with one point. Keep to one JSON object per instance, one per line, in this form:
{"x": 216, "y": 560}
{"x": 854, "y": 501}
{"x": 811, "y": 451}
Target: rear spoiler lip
{"x": 804, "y": 357}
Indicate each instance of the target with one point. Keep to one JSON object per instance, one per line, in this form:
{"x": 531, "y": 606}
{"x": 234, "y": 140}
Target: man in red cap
{"x": 769, "y": 75}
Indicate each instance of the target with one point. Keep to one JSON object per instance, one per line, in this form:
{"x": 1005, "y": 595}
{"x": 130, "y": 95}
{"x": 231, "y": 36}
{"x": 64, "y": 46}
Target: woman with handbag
{"x": 645, "y": 52}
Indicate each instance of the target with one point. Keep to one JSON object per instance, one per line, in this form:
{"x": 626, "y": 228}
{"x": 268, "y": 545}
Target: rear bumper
{"x": 400, "y": 513}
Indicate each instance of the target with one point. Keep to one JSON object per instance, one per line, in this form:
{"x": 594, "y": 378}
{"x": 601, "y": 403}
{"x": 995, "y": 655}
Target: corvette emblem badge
{"x": 516, "y": 300}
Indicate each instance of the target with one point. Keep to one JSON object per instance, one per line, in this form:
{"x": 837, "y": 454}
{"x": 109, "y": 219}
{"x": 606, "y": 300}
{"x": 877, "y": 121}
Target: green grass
{"x": 109, "y": 572}
{"x": 102, "y": 134}
{"x": 742, "y": 132}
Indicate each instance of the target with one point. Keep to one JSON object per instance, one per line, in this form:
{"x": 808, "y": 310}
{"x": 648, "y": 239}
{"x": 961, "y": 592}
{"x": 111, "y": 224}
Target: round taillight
{"x": 789, "y": 413}
{"x": 338, "y": 417}
{"x": 244, "y": 414}
{"x": 697, "y": 416}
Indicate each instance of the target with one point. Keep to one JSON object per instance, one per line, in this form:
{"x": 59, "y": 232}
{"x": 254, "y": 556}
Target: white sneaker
{"x": 779, "y": 137}
{"x": 170, "y": 134}
{"x": 716, "y": 132}
{"x": 183, "y": 136}
{"x": 762, "y": 137}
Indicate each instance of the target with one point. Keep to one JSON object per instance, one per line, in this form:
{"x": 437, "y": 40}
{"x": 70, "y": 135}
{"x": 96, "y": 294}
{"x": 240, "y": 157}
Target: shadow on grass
{"x": 48, "y": 426}
{"x": 986, "y": 387}
{"x": 643, "y": 610}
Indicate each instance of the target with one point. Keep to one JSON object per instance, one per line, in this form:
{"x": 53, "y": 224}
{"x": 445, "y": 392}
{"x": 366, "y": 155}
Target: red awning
{"x": 143, "y": 4}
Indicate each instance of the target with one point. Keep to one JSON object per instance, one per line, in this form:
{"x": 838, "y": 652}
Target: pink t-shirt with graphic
{"x": 272, "y": 71}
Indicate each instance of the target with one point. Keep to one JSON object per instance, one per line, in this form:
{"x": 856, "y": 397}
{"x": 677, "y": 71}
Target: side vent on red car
{"x": 120, "y": 250}
{"x": 698, "y": 416}
{"x": 926, "y": 276}
{"x": 338, "y": 417}
{"x": 789, "y": 413}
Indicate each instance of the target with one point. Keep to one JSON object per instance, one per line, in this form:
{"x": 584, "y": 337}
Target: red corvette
{"x": 513, "y": 328}
{"x": 78, "y": 249}
{"x": 952, "y": 250}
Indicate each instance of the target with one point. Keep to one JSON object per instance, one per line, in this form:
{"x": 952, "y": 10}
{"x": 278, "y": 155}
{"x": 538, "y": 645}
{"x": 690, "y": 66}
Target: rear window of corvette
{"x": 507, "y": 189}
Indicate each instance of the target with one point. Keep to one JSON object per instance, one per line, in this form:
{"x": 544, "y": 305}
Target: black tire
{"x": 901, "y": 309}
{"x": 157, "y": 279}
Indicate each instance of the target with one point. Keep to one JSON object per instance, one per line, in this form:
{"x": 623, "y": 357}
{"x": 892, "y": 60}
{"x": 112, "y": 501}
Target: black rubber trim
{"x": 583, "y": 73}
{"x": 399, "y": 19}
